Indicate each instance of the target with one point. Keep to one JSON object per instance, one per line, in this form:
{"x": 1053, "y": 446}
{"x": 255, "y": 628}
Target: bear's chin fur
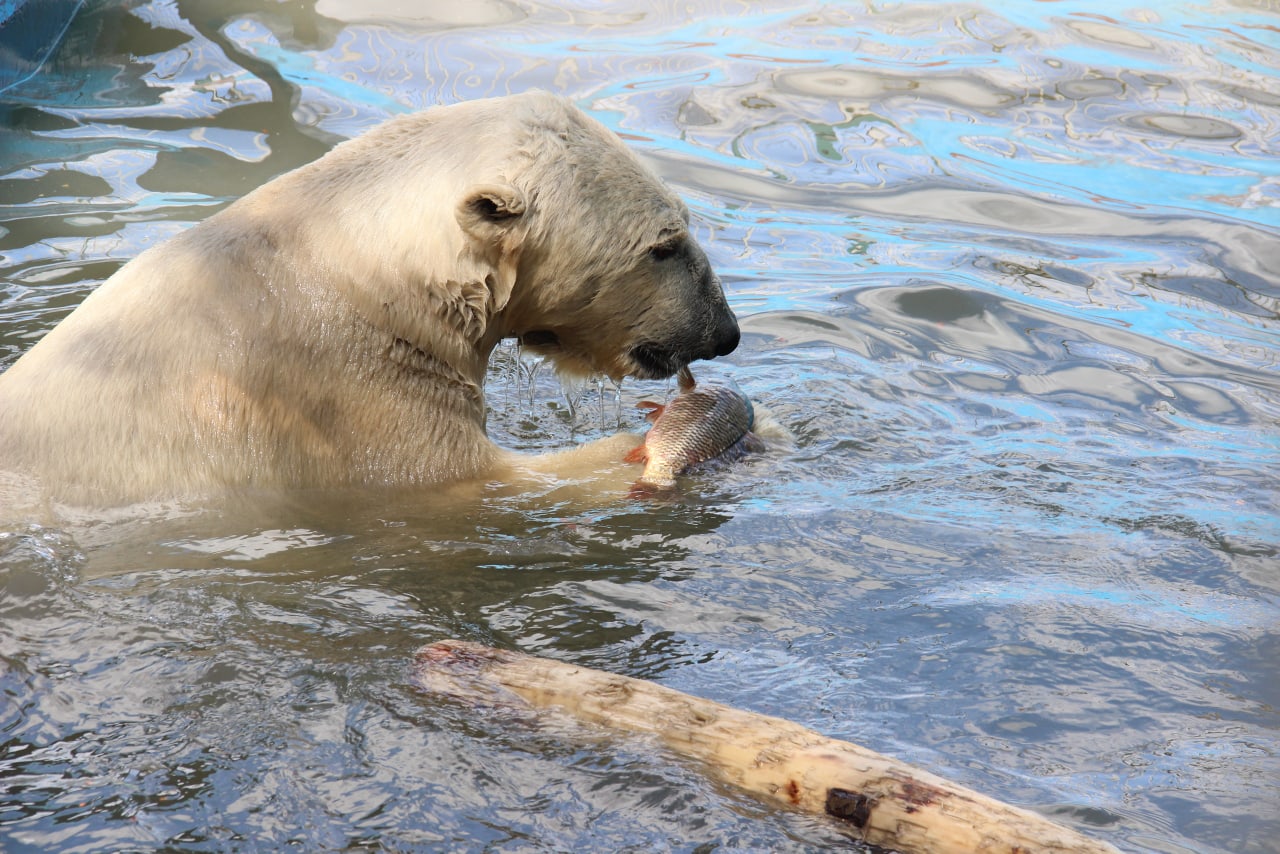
{"x": 333, "y": 327}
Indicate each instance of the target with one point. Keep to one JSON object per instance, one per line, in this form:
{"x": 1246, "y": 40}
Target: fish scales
{"x": 698, "y": 426}
{"x": 702, "y": 423}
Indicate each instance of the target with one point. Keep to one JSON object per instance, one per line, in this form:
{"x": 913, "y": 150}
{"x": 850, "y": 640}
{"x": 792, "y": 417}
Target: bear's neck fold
{"x": 423, "y": 367}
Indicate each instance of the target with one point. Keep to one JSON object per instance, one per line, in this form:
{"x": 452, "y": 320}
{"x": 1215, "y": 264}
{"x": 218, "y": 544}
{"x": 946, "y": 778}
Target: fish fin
{"x": 685, "y": 378}
{"x": 655, "y": 409}
{"x": 749, "y": 443}
{"x": 640, "y": 489}
{"x": 638, "y": 454}
{"x": 648, "y": 489}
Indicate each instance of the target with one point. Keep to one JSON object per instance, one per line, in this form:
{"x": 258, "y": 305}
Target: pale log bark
{"x": 885, "y": 802}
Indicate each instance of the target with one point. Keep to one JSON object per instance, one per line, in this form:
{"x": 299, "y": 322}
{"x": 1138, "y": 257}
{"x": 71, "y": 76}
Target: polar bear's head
{"x": 602, "y": 271}
{"x": 512, "y": 217}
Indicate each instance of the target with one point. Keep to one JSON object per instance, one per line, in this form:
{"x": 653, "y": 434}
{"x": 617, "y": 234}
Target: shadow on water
{"x": 258, "y": 635}
{"x": 466, "y": 561}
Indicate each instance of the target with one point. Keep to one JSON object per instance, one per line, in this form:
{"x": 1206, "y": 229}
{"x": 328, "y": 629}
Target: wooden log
{"x": 883, "y": 801}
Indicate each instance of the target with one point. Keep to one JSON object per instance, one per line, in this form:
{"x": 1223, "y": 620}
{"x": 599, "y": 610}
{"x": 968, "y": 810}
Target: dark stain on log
{"x": 853, "y": 807}
{"x": 793, "y": 791}
{"x": 918, "y": 794}
{"x": 456, "y": 653}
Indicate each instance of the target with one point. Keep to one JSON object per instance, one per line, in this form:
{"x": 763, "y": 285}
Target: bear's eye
{"x": 663, "y": 251}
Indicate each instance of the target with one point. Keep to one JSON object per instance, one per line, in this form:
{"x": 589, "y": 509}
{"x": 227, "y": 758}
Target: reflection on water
{"x": 1006, "y": 270}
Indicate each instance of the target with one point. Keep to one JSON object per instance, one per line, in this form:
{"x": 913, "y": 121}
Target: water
{"x": 1007, "y": 270}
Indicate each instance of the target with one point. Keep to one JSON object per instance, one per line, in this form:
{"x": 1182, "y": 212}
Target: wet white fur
{"x": 333, "y": 327}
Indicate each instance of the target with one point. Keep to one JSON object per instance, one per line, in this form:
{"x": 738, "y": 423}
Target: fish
{"x": 703, "y": 423}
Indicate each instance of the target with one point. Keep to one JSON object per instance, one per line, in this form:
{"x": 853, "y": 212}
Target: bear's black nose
{"x": 727, "y": 337}
{"x": 727, "y": 342}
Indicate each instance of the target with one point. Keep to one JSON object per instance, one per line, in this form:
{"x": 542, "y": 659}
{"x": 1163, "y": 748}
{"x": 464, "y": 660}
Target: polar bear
{"x": 333, "y": 327}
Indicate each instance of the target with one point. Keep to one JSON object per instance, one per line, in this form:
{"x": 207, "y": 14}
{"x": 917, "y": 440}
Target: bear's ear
{"x": 489, "y": 210}
{"x": 492, "y": 215}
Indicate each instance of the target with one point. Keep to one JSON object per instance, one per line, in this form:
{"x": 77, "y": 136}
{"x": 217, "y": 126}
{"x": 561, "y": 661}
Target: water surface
{"x": 1008, "y": 272}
